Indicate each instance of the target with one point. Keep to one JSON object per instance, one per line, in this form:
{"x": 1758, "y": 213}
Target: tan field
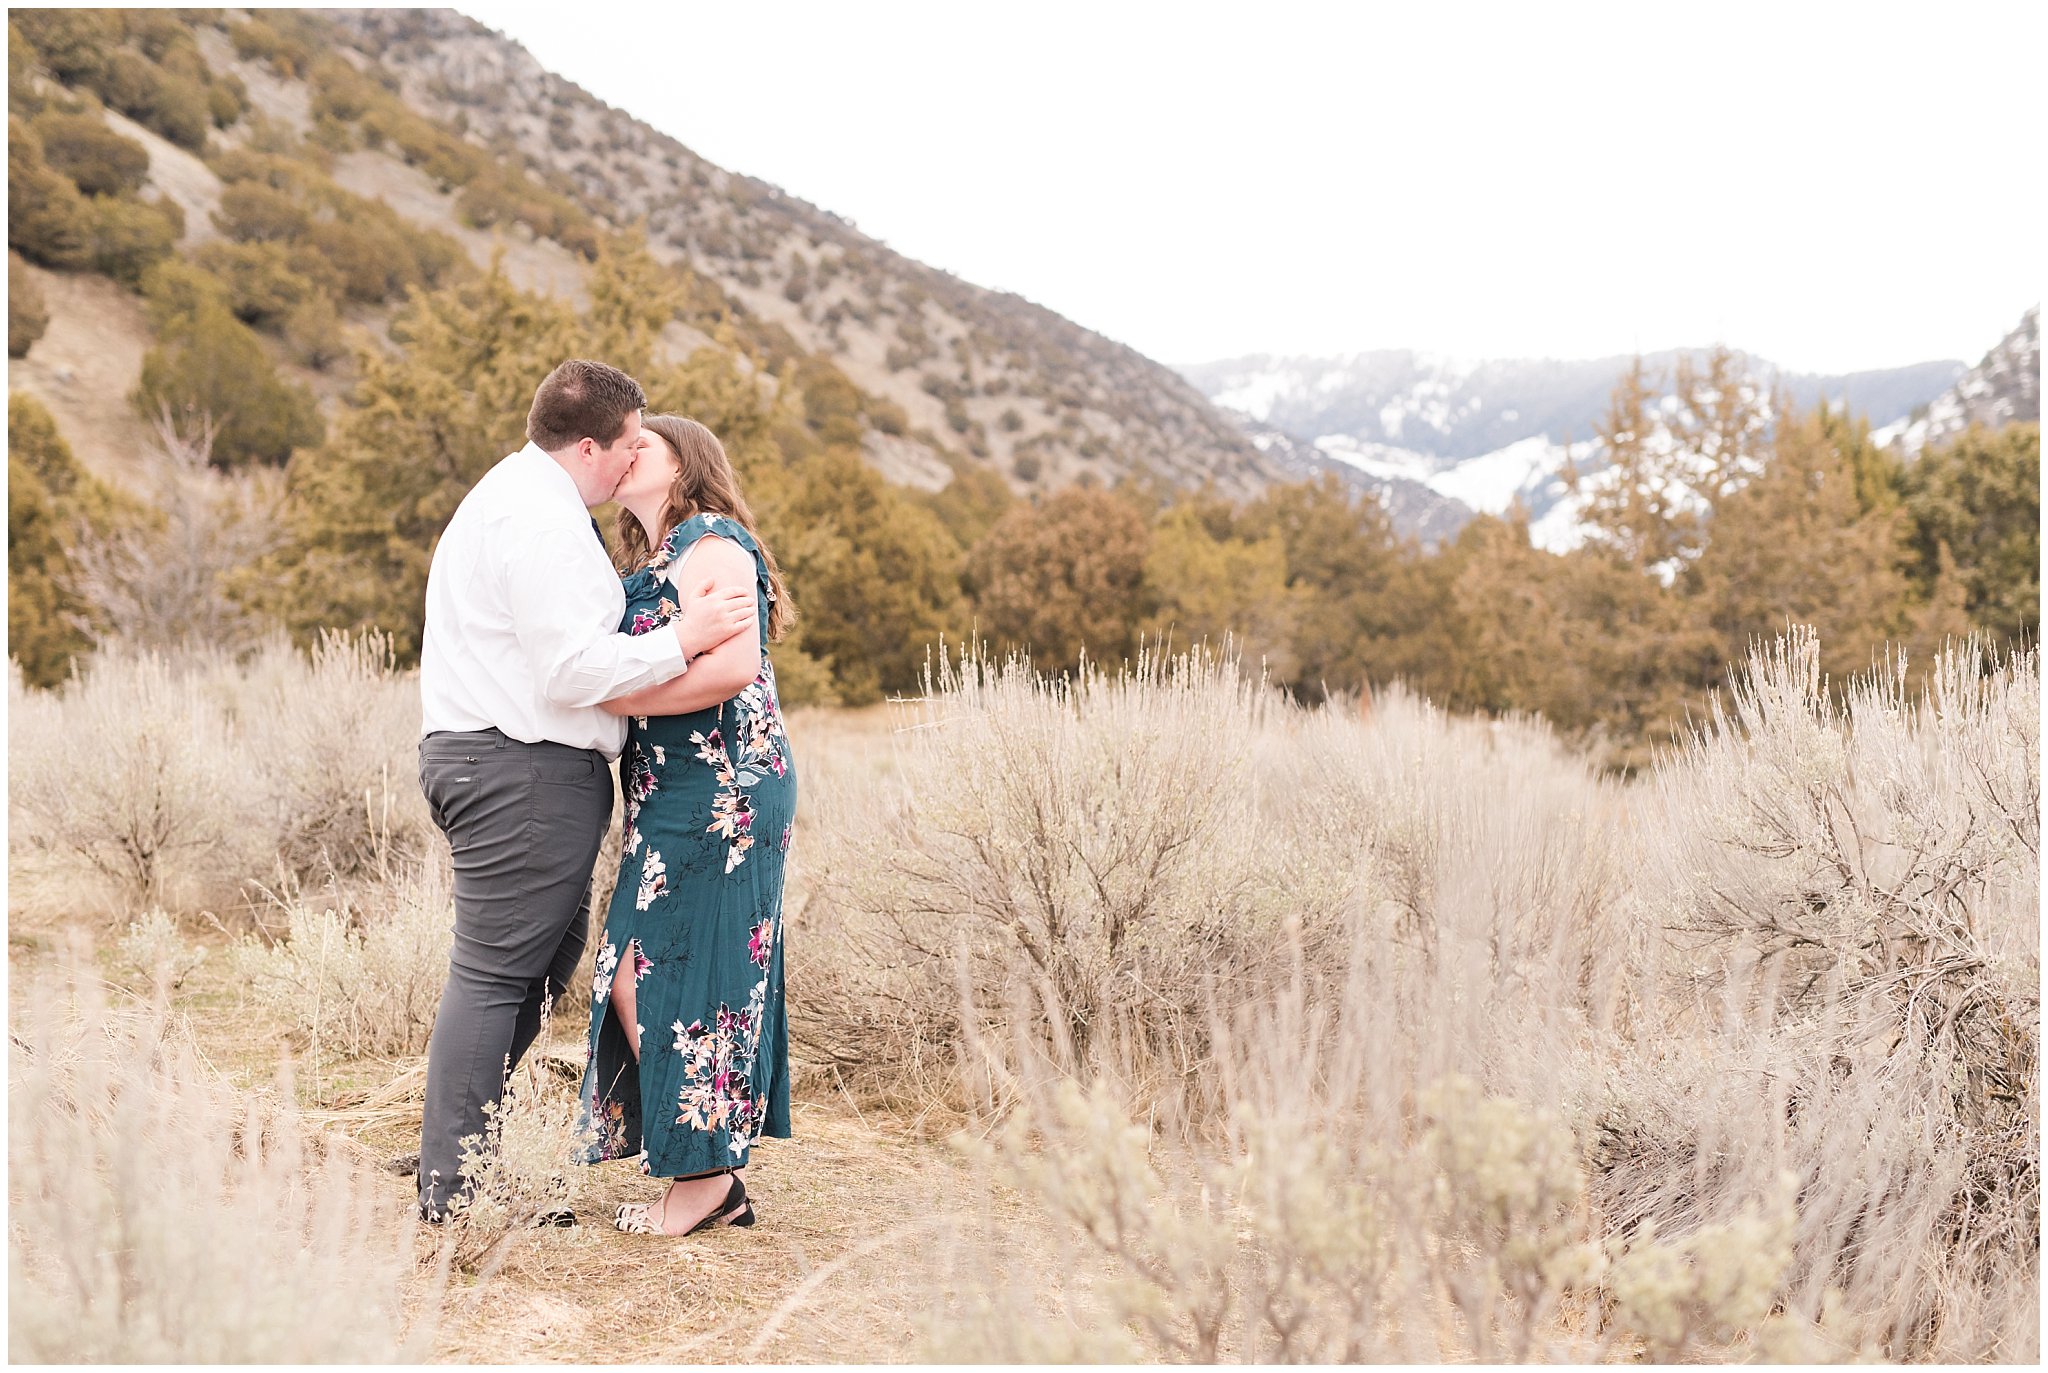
{"x": 1140, "y": 1018}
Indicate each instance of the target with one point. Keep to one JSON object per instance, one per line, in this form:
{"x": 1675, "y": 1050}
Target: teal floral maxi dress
{"x": 696, "y": 918}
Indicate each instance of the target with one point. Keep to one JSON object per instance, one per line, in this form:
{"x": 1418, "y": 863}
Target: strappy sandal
{"x": 639, "y": 1218}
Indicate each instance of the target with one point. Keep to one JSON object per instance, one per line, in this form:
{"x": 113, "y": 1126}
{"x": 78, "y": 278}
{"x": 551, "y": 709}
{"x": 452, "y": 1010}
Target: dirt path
{"x": 863, "y": 1246}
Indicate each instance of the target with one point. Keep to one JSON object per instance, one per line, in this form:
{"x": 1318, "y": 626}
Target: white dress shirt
{"x": 523, "y": 611}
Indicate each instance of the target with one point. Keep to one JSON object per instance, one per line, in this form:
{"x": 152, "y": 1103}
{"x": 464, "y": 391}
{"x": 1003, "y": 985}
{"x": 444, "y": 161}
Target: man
{"x": 523, "y": 608}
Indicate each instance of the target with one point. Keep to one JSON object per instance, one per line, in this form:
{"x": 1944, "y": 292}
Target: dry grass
{"x": 1821, "y": 1155}
{"x": 158, "y": 1215}
{"x": 1268, "y": 1034}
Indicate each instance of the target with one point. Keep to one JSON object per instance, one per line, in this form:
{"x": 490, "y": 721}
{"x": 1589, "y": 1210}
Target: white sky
{"x": 1832, "y": 187}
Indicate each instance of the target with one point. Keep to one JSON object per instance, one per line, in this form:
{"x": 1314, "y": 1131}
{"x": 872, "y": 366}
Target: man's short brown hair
{"x": 582, "y": 399}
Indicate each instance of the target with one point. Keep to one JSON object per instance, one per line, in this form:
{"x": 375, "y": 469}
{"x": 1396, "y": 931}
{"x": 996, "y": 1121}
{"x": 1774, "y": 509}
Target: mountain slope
{"x": 1482, "y": 436}
{"x": 1012, "y": 383}
{"x": 515, "y": 164}
{"x": 2004, "y": 388}
{"x": 1450, "y": 408}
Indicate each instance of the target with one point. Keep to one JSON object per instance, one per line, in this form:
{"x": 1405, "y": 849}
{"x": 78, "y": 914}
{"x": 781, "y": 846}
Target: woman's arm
{"x": 720, "y": 674}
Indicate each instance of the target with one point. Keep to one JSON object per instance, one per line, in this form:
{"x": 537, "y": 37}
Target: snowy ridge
{"x": 2005, "y": 388}
{"x": 1483, "y": 436}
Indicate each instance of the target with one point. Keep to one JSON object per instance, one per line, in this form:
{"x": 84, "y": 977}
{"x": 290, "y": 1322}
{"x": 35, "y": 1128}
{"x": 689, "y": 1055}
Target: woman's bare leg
{"x": 688, "y": 1200}
{"x": 625, "y": 996}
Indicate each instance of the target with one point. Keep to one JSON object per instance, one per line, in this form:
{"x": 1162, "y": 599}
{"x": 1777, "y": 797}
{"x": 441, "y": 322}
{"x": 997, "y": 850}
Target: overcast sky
{"x": 1833, "y": 187}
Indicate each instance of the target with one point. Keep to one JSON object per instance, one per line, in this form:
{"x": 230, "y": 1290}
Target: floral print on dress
{"x": 716, "y": 1094}
{"x": 607, "y": 968}
{"x": 763, "y": 752}
{"x": 608, "y": 1122}
{"x": 653, "y": 879}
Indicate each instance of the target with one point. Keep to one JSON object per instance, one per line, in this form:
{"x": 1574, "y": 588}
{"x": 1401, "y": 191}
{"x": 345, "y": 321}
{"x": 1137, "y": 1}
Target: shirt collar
{"x": 550, "y": 476}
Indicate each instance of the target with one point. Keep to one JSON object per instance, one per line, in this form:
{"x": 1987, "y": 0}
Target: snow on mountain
{"x": 1414, "y": 507}
{"x": 1484, "y": 434}
{"x": 2005, "y": 388}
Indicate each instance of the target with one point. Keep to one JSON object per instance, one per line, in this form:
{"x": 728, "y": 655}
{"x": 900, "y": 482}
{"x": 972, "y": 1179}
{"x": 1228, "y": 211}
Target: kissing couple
{"x": 544, "y": 661}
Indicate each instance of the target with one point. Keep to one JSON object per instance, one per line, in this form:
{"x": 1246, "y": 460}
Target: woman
{"x": 689, "y": 1053}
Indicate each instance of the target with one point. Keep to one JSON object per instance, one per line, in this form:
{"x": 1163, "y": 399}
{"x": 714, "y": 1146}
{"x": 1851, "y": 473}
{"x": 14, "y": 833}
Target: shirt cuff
{"x": 664, "y": 652}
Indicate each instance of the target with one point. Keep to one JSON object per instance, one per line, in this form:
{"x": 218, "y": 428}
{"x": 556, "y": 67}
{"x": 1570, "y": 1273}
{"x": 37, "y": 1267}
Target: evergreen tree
{"x": 1364, "y": 606}
{"x": 1514, "y": 650}
{"x": 1630, "y": 508}
{"x": 48, "y": 496}
{"x": 1943, "y": 619}
{"x": 1981, "y": 496}
{"x": 876, "y": 578}
{"x": 1795, "y": 544}
{"x": 1650, "y": 505}
{"x": 421, "y": 426}
{"x": 1063, "y": 577}
{"x": 209, "y": 369}
{"x": 1207, "y": 585}
{"x": 1599, "y": 647}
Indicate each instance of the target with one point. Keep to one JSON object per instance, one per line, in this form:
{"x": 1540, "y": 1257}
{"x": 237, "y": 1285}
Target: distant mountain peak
{"x": 1442, "y": 437}
{"x": 2004, "y": 388}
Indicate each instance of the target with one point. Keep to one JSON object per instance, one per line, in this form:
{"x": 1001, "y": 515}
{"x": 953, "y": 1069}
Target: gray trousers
{"x": 524, "y": 824}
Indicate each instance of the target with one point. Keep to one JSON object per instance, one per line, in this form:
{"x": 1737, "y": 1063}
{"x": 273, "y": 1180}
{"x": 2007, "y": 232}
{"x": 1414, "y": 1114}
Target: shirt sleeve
{"x": 565, "y": 617}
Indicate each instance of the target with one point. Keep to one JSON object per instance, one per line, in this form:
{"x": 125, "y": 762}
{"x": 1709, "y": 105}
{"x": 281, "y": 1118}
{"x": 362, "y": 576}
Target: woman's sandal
{"x": 638, "y": 1218}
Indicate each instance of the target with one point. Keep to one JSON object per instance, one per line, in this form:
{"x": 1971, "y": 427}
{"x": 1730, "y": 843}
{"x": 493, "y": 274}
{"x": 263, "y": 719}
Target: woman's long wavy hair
{"x": 705, "y": 484}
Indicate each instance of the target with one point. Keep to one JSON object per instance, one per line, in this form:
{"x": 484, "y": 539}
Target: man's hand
{"x": 711, "y": 616}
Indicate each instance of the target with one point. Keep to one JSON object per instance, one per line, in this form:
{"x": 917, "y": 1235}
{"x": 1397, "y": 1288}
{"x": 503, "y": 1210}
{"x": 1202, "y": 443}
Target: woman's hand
{"x": 723, "y": 671}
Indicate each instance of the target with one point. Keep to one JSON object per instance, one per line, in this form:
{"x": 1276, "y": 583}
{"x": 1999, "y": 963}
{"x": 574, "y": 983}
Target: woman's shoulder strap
{"x": 726, "y": 527}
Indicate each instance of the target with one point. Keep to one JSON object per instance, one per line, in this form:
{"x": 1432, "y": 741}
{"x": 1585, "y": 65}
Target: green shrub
{"x": 181, "y": 112}
{"x": 131, "y": 236}
{"x": 159, "y": 33}
{"x": 313, "y": 332}
{"x": 169, "y": 103}
{"x": 227, "y": 100}
{"x": 340, "y": 91}
{"x": 265, "y": 168}
{"x": 46, "y": 490}
{"x": 889, "y": 417}
{"x": 371, "y": 260}
{"x": 48, "y": 221}
{"x": 73, "y": 44}
{"x": 82, "y": 147}
{"x": 128, "y": 82}
{"x": 208, "y": 365}
{"x": 435, "y": 151}
{"x": 22, "y": 96}
{"x": 263, "y": 289}
{"x": 253, "y": 212}
{"x": 41, "y": 634}
{"x": 259, "y": 41}
{"x": 27, "y": 315}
